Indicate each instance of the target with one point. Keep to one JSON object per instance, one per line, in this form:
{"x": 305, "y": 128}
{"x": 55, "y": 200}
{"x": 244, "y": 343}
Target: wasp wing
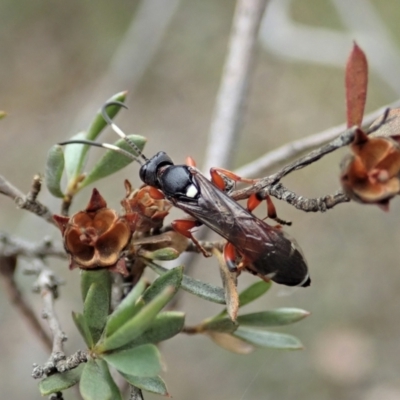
{"x": 270, "y": 251}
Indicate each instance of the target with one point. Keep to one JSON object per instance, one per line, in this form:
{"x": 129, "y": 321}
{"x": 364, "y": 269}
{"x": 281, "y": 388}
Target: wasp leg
{"x": 230, "y": 257}
{"x": 255, "y": 199}
{"x": 183, "y": 226}
{"x": 218, "y": 180}
{"x": 190, "y": 162}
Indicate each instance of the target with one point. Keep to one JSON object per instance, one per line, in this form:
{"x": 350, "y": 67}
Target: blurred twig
{"x": 16, "y": 246}
{"x": 232, "y": 94}
{"x": 7, "y": 268}
{"x": 297, "y": 147}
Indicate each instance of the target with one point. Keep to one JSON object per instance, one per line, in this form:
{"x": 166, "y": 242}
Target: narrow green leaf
{"x": 75, "y": 156}
{"x": 172, "y": 278}
{"x": 165, "y": 254}
{"x": 96, "y": 310}
{"x": 253, "y": 292}
{"x": 98, "y": 123}
{"x": 165, "y": 325}
{"x": 101, "y": 276}
{"x": 268, "y": 339}
{"x": 112, "y": 161}
{"x": 54, "y": 170}
{"x": 278, "y": 317}
{"x": 96, "y": 382}
{"x": 139, "y": 361}
{"x": 138, "y": 324}
{"x": 200, "y": 289}
{"x": 220, "y": 325}
{"x": 126, "y": 309}
{"x": 153, "y": 384}
{"x": 59, "y": 382}
{"x": 83, "y": 328}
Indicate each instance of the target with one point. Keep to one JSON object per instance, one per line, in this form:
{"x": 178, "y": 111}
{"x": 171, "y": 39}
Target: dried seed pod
{"x": 95, "y": 238}
{"x": 145, "y": 208}
{"x": 371, "y": 174}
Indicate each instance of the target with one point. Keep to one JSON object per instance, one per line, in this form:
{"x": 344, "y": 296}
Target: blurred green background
{"x": 60, "y": 61}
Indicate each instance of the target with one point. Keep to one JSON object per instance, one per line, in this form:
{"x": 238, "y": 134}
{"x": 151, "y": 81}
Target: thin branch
{"x": 28, "y": 202}
{"x": 291, "y": 150}
{"x": 135, "y": 393}
{"x": 47, "y": 284}
{"x": 207, "y": 245}
{"x": 319, "y": 204}
{"x": 344, "y": 139}
{"x": 7, "y": 268}
{"x": 63, "y": 365}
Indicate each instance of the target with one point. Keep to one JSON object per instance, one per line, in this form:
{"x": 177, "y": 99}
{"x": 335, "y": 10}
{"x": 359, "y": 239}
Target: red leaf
{"x": 356, "y": 86}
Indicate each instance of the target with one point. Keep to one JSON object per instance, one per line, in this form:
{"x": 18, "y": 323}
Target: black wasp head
{"x": 149, "y": 170}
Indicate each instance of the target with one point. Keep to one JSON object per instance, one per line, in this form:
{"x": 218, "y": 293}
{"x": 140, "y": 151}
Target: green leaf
{"x": 75, "y": 156}
{"x": 268, "y": 339}
{"x": 220, "y": 325}
{"x": 112, "y": 161}
{"x": 172, "y": 278}
{"x": 139, "y": 361}
{"x": 101, "y": 276}
{"x": 278, "y": 317}
{"x": 253, "y": 292}
{"x": 152, "y": 384}
{"x": 96, "y": 310}
{"x": 165, "y": 325}
{"x": 201, "y": 289}
{"x": 98, "y": 123}
{"x": 126, "y": 309}
{"x": 138, "y": 324}
{"x": 60, "y": 381}
{"x": 96, "y": 382}
{"x": 83, "y": 328}
{"x": 54, "y": 170}
{"x": 165, "y": 254}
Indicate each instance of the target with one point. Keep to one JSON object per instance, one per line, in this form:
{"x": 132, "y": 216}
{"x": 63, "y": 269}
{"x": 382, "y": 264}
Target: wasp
{"x": 264, "y": 250}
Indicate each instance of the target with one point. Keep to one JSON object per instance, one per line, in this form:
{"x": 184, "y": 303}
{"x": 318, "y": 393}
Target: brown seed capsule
{"x": 145, "y": 208}
{"x": 95, "y": 237}
{"x": 371, "y": 174}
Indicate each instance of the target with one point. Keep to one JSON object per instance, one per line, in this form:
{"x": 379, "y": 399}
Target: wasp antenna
{"x": 118, "y": 130}
{"x": 104, "y": 146}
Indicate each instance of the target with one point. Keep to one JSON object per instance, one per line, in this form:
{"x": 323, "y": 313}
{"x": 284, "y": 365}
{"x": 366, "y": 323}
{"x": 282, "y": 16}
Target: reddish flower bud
{"x": 95, "y": 237}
